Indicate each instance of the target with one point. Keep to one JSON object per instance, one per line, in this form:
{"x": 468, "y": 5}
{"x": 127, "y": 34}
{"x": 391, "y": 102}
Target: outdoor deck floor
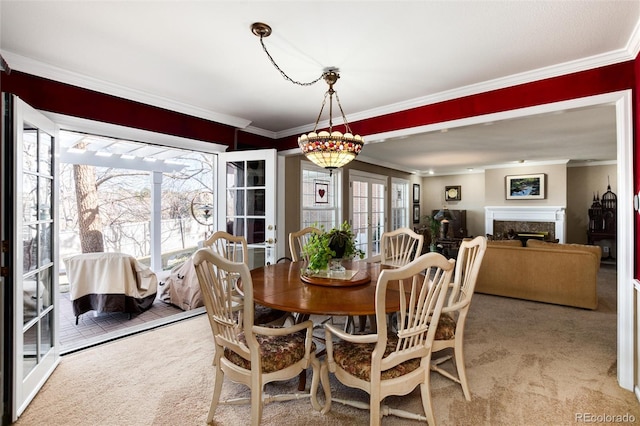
{"x": 94, "y": 328}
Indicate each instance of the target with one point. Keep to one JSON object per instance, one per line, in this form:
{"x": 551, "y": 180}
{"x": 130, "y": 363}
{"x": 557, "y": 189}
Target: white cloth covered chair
{"x": 450, "y": 332}
{"x": 393, "y": 363}
{"x": 235, "y": 249}
{"x": 109, "y": 282}
{"x": 246, "y": 353}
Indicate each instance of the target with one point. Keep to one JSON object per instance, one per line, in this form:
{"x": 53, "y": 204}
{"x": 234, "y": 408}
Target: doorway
{"x": 367, "y": 211}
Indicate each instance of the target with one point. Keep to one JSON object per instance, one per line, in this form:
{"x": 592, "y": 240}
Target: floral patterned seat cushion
{"x": 355, "y": 359}
{"x": 276, "y": 352}
{"x": 446, "y": 327}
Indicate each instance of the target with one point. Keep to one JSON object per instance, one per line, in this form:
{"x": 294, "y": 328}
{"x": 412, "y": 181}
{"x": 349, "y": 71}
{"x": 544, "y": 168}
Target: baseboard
{"x": 636, "y": 390}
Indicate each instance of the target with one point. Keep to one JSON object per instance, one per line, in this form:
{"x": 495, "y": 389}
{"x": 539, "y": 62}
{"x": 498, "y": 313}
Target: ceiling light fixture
{"x": 330, "y": 148}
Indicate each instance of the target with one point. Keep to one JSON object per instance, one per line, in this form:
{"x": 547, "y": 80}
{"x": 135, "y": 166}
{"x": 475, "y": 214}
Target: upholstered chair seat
{"x": 446, "y": 327}
{"x": 276, "y": 352}
{"x": 355, "y": 358}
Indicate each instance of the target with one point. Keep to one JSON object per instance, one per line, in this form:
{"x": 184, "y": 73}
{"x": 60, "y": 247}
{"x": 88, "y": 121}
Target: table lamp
{"x": 444, "y": 216}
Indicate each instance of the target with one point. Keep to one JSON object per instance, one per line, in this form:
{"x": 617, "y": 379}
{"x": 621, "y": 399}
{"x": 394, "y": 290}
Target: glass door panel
{"x": 368, "y": 212}
{"x": 248, "y": 209}
{"x": 29, "y": 177}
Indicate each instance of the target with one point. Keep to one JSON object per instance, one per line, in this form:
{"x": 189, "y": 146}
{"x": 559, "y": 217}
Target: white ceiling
{"x": 200, "y": 57}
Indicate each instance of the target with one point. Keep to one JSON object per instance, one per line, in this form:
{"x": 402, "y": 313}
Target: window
{"x": 399, "y": 203}
{"x": 320, "y": 196}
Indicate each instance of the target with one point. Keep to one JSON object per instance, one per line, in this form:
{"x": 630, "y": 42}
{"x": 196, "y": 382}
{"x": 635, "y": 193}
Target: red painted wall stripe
{"x": 53, "y": 96}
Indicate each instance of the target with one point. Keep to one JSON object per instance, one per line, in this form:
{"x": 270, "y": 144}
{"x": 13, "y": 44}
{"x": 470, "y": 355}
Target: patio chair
{"x": 109, "y": 282}
{"x": 235, "y": 249}
{"x": 246, "y": 353}
{"x": 393, "y": 363}
{"x": 450, "y": 332}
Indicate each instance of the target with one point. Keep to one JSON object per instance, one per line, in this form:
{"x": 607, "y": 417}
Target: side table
{"x": 449, "y": 247}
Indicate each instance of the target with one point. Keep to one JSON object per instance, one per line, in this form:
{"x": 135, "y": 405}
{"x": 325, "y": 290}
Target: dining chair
{"x": 297, "y": 241}
{"x": 235, "y": 249}
{"x": 246, "y": 353}
{"x": 450, "y": 332}
{"x": 393, "y": 362}
{"x": 399, "y": 247}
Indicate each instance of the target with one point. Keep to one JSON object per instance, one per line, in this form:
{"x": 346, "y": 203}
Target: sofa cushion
{"x": 508, "y": 243}
{"x": 597, "y": 250}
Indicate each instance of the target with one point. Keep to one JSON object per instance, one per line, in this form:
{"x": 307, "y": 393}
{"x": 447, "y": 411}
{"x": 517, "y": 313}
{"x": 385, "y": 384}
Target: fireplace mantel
{"x": 555, "y": 214}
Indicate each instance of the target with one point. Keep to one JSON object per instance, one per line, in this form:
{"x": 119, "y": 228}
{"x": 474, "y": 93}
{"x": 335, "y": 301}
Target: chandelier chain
{"x": 286, "y": 77}
{"x": 344, "y": 118}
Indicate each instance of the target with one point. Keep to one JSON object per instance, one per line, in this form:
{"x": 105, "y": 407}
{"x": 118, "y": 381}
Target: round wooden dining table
{"x": 281, "y": 286}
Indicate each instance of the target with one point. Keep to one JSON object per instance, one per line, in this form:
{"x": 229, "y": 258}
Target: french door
{"x": 247, "y": 201}
{"x": 367, "y": 210}
{"x": 30, "y": 272}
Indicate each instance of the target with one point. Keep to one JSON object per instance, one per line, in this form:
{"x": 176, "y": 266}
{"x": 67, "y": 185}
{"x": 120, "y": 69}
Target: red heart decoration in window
{"x": 321, "y": 192}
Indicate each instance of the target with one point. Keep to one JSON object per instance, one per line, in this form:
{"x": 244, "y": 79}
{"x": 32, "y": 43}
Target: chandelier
{"x": 330, "y": 148}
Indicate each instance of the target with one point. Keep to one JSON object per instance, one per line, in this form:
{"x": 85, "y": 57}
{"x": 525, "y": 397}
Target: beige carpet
{"x": 528, "y": 364}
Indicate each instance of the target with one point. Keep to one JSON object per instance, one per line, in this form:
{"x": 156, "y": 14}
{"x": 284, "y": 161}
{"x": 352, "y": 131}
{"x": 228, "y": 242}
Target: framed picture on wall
{"x": 416, "y": 213}
{"x": 453, "y": 193}
{"x": 526, "y": 187}
{"x": 416, "y": 193}
{"x": 321, "y": 192}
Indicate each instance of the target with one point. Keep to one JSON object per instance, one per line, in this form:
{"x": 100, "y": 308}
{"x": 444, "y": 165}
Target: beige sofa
{"x": 564, "y": 274}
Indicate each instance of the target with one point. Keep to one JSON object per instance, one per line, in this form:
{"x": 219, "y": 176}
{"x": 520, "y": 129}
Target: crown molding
{"x": 24, "y": 64}
{"x": 584, "y": 64}
{"x": 593, "y": 163}
{"x": 41, "y": 69}
{"x": 260, "y": 132}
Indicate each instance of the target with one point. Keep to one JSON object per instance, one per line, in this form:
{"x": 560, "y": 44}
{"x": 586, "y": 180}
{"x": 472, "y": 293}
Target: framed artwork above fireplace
{"x": 525, "y": 187}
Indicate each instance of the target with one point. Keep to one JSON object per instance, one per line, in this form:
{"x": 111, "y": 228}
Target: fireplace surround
{"x": 548, "y": 220}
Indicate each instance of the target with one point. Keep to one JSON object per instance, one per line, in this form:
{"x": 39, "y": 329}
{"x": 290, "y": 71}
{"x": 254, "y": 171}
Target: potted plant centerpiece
{"x": 328, "y": 249}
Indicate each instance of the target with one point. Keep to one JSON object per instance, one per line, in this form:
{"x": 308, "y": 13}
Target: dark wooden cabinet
{"x": 457, "y": 225}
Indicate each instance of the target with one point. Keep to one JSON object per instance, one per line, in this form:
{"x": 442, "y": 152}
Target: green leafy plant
{"x": 434, "y": 230}
{"x": 338, "y": 243}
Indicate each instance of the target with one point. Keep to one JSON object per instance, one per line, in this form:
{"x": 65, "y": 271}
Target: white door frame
{"x": 269, "y": 156}
{"x": 356, "y": 175}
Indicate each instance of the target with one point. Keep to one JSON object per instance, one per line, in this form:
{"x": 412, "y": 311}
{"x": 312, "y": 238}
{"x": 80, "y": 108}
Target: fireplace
{"x": 544, "y": 222}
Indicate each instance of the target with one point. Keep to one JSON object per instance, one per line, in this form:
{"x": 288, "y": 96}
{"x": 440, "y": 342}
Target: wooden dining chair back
{"x": 235, "y": 249}
{"x": 231, "y": 247}
{"x": 400, "y": 246}
{"x": 393, "y": 363}
{"x": 450, "y": 332}
{"x": 298, "y": 239}
{"x": 246, "y": 353}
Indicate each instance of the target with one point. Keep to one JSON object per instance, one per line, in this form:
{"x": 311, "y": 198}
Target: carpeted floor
{"x": 528, "y": 364}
